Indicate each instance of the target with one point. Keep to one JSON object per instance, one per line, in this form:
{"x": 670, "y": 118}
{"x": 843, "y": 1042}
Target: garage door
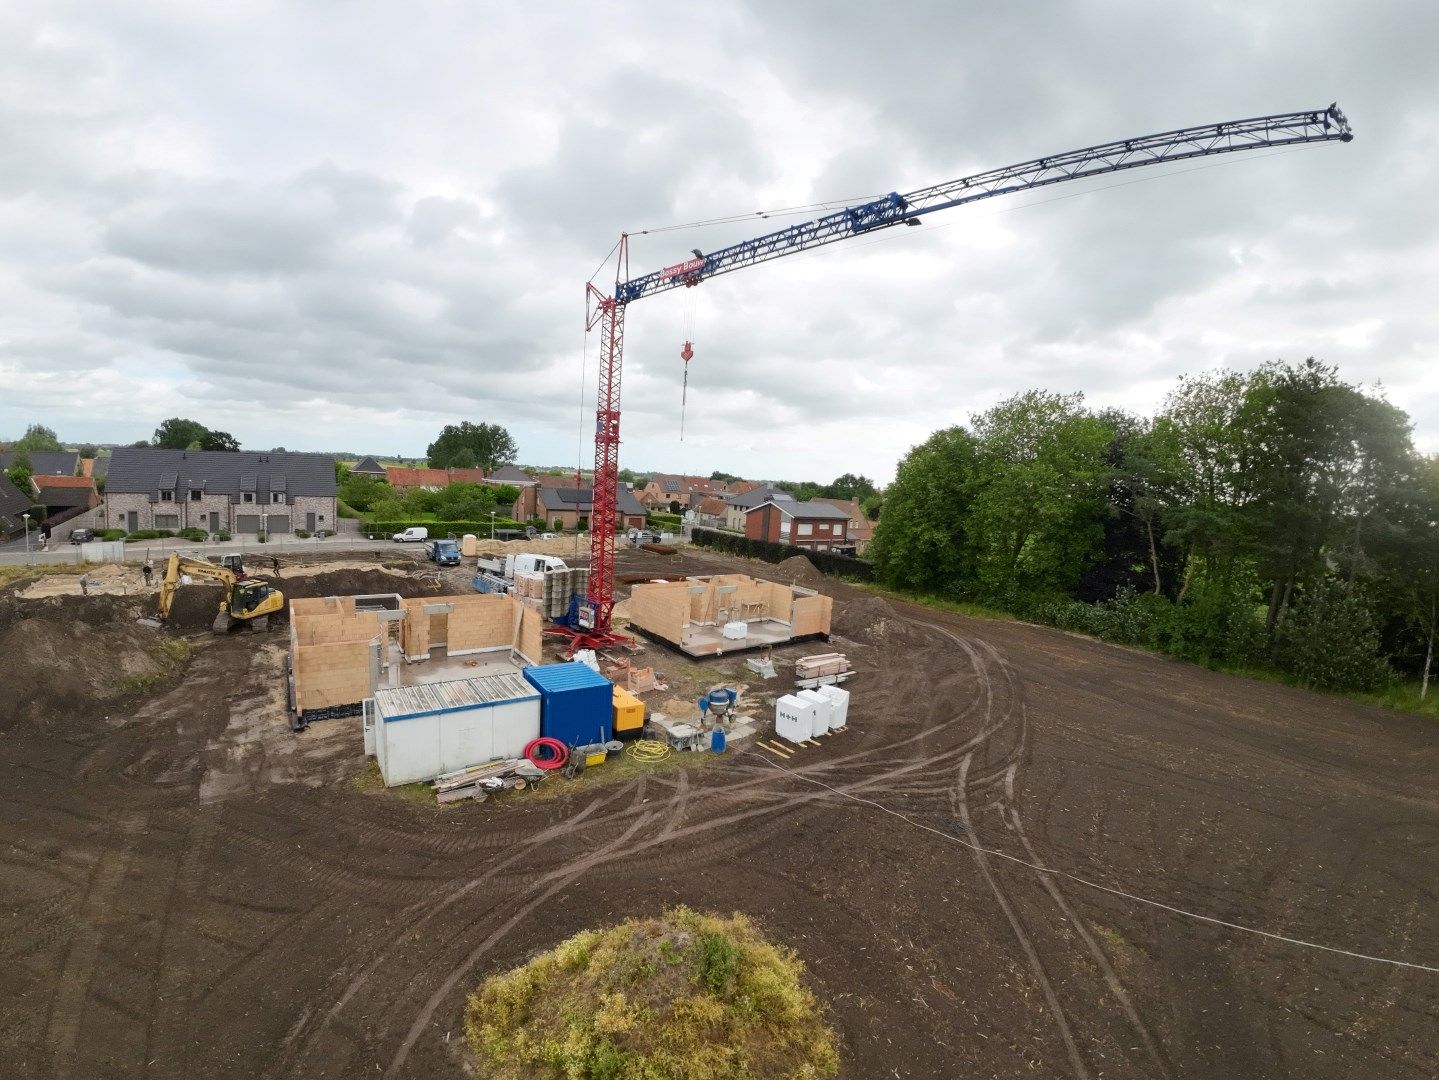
{"x": 277, "y": 523}
{"x": 247, "y": 523}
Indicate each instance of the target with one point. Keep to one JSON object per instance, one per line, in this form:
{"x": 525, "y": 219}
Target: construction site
{"x": 279, "y": 816}
{"x": 194, "y": 887}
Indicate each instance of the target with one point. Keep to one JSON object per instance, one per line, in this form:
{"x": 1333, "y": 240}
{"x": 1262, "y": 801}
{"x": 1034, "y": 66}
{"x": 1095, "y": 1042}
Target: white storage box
{"x": 794, "y": 719}
{"x": 736, "y": 631}
{"x": 823, "y": 710}
{"x": 839, "y": 705}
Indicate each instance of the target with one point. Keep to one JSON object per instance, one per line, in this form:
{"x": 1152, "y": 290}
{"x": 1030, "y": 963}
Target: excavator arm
{"x": 251, "y": 601}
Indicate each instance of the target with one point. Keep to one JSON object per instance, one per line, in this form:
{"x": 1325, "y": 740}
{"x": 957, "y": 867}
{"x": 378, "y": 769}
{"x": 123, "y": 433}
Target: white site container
{"x": 823, "y": 710}
{"x": 420, "y": 732}
{"x": 794, "y": 718}
{"x": 839, "y": 702}
{"x": 737, "y": 630}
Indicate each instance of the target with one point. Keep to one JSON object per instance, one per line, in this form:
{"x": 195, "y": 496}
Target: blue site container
{"x": 576, "y": 703}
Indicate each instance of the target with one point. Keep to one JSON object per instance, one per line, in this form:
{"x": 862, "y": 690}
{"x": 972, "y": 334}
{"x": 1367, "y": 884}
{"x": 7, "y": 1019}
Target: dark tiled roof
{"x": 49, "y": 462}
{"x": 582, "y": 500}
{"x": 65, "y": 490}
{"x": 220, "y": 472}
{"x": 13, "y": 503}
{"x": 368, "y": 465}
{"x": 510, "y": 474}
{"x": 808, "y": 510}
{"x": 758, "y": 495}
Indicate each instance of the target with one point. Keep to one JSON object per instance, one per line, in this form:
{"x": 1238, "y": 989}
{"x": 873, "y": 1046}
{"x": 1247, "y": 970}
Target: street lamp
{"x": 492, "y": 524}
{"x": 27, "y": 536}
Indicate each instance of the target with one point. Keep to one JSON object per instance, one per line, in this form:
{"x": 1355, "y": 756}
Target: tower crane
{"x": 590, "y": 618}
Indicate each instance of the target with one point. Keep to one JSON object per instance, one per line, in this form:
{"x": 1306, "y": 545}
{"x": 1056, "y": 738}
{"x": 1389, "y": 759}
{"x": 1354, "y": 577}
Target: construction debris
{"x": 479, "y": 782}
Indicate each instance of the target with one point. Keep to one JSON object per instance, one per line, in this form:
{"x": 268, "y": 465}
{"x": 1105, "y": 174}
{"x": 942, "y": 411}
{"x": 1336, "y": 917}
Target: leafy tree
{"x": 1037, "y": 516}
{"x": 219, "y": 440}
{"x": 728, "y": 478}
{"x": 37, "y": 437}
{"x": 179, "y": 434}
{"x": 921, "y": 542}
{"x": 850, "y": 486}
{"x": 465, "y": 459}
{"x": 1331, "y": 642}
{"x": 89, "y": 450}
{"x": 490, "y": 445}
{"x": 363, "y": 492}
{"x": 634, "y": 479}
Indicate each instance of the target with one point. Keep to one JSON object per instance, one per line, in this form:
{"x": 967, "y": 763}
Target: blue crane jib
{"x": 1281, "y": 129}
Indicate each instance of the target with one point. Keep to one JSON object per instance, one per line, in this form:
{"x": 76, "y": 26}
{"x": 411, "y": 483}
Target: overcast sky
{"x": 336, "y": 225}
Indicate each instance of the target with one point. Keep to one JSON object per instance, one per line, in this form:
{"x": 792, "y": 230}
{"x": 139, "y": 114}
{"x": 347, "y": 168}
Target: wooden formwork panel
{"x": 661, "y": 608}
{"x": 531, "y": 633}
{"x": 811, "y": 615}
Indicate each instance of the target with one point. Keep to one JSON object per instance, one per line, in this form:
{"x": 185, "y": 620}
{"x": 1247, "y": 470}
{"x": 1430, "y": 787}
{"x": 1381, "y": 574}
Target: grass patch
{"x": 685, "y": 995}
{"x": 617, "y": 769}
{"x": 21, "y": 574}
{"x": 369, "y": 781}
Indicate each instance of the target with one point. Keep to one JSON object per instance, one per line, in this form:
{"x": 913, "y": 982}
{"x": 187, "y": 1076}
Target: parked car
{"x": 643, "y": 536}
{"x": 82, "y": 536}
{"x": 549, "y": 536}
{"x": 413, "y": 535}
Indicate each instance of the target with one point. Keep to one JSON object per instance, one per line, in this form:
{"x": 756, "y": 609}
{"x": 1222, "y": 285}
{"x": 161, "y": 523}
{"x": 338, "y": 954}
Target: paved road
{"x": 136, "y": 551}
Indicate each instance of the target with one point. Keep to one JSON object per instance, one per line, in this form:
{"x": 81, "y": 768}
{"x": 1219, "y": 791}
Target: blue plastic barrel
{"x": 717, "y": 740}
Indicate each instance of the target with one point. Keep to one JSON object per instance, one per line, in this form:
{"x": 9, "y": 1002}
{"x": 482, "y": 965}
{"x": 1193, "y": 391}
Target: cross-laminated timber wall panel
{"x": 811, "y": 615}
{"x": 662, "y": 608}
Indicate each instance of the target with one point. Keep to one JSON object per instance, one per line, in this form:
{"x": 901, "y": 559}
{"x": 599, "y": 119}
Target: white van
{"x": 414, "y": 534}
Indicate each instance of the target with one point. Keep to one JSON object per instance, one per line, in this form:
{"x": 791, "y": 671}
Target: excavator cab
{"x": 252, "y": 601}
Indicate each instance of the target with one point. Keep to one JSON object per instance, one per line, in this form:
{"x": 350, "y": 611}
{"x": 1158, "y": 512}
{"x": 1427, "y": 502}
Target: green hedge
{"x": 670, "y": 522}
{"x": 198, "y": 535}
{"x": 111, "y": 534}
{"x": 827, "y": 562}
{"x": 383, "y": 530}
{"x": 150, "y": 534}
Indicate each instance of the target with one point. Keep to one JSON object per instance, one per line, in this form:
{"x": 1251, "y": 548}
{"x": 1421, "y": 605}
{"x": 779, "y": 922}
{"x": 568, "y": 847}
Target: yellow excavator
{"x": 250, "y": 601}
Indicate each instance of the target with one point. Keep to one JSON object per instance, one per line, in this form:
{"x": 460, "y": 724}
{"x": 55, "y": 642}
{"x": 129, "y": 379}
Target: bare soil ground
{"x": 187, "y": 889}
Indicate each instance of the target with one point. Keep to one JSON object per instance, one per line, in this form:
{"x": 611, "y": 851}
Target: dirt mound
{"x": 68, "y": 656}
{"x": 353, "y": 582}
{"x": 195, "y": 607}
{"x": 796, "y": 570}
{"x": 873, "y": 620}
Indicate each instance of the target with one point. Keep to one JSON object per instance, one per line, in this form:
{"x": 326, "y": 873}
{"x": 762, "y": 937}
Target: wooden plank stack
{"x": 480, "y": 781}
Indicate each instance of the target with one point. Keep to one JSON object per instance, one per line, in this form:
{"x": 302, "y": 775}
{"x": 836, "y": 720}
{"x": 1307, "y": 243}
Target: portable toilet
{"x": 629, "y": 714}
{"x": 794, "y": 718}
{"x": 469, "y": 545}
{"x": 839, "y": 700}
{"x": 576, "y": 703}
{"x": 823, "y": 710}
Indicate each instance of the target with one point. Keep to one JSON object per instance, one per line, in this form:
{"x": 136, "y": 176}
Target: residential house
{"x": 814, "y": 525}
{"x": 405, "y": 480}
{"x": 58, "y": 494}
{"x": 368, "y": 466}
{"x": 710, "y": 512}
{"x": 45, "y": 462}
{"x": 737, "y": 505}
{"x": 664, "y": 490}
{"x": 861, "y": 529}
{"x": 13, "y": 504}
{"x": 562, "y": 508}
{"x": 220, "y": 490}
{"x": 527, "y": 505}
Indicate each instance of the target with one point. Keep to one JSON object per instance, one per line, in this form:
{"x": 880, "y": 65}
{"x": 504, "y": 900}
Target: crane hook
{"x": 687, "y": 352}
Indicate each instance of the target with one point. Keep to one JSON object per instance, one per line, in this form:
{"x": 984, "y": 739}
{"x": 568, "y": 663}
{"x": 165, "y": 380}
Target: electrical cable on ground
{"x": 648, "y": 750}
{"x": 1413, "y": 966}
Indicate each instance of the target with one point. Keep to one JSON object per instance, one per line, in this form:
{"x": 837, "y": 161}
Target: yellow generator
{"x": 629, "y": 714}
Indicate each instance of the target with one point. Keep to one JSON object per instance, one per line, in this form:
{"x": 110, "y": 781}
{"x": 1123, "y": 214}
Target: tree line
{"x": 1277, "y": 518}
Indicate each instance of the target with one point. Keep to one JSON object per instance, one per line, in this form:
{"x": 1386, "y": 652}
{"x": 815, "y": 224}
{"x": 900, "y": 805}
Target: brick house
{"x": 861, "y": 529}
{"x": 405, "y": 480}
{"x": 527, "y": 505}
{"x": 664, "y": 489}
{"x": 815, "y": 525}
{"x": 239, "y": 492}
{"x": 61, "y": 494}
{"x": 737, "y": 503}
{"x": 563, "y": 507}
{"x": 710, "y": 512}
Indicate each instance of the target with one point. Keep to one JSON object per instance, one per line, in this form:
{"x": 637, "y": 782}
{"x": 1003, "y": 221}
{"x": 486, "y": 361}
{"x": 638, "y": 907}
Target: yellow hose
{"x": 648, "y": 750}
